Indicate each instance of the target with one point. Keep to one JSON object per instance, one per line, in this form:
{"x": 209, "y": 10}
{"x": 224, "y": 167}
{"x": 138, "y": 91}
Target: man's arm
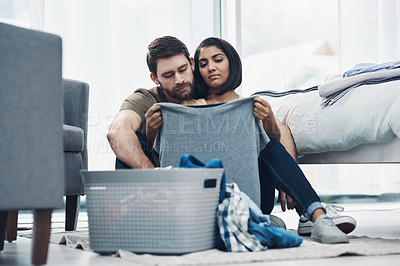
{"x": 124, "y": 142}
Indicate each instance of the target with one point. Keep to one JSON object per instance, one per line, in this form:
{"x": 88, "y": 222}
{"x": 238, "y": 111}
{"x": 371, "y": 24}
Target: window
{"x": 288, "y": 44}
{"x": 105, "y": 44}
{"x": 15, "y": 12}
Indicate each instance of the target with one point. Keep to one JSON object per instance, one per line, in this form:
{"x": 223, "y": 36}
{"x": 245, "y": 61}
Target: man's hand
{"x": 153, "y": 122}
{"x": 284, "y": 200}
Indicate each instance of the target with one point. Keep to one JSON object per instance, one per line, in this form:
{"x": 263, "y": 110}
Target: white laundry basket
{"x": 164, "y": 211}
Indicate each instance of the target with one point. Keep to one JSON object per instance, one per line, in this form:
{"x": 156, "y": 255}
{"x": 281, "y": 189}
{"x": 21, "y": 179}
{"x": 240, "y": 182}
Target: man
{"x": 171, "y": 69}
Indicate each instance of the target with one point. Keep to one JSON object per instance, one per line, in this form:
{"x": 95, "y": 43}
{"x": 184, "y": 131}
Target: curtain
{"x": 105, "y": 44}
{"x": 369, "y": 31}
{"x": 36, "y": 14}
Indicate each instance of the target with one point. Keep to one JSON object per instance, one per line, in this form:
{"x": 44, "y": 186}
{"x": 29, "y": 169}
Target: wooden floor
{"x": 374, "y": 220}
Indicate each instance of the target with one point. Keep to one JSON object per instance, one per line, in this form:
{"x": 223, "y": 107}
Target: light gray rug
{"x": 74, "y": 239}
{"x": 362, "y": 246}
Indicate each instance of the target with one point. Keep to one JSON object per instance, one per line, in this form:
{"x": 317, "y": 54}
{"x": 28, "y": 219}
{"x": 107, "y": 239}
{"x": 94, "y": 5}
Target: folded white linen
{"x": 338, "y": 83}
{"x": 371, "y": 67}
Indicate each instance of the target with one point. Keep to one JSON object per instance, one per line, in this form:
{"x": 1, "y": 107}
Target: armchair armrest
{"x": 73, "y": 138}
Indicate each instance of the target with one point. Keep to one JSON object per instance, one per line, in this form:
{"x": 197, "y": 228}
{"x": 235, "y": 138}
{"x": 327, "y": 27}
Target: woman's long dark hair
{"x": 235, "y": 67}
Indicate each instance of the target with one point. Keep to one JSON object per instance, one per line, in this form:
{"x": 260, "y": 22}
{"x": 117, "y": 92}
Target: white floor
{"x": 374, "y": 220}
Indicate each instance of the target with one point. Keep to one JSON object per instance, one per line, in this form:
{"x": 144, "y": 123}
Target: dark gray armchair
{"x": 43, "y": 143}
{"x": 76, "y": 101}
{"x": 31, "y": 127}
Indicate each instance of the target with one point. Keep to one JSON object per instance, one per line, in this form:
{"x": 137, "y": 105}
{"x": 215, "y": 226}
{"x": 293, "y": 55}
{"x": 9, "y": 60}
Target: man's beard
{"x": 179, "y": 96}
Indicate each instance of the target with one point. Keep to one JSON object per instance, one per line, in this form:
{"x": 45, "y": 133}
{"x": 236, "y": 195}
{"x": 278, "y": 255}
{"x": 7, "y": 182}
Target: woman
{"x": 218, "y": 72}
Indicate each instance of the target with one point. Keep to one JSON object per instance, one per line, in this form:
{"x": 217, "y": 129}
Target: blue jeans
{"x": 277, "y": 169}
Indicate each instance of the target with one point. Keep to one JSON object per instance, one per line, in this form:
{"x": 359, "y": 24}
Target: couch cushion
{"x": 73, "y": 138}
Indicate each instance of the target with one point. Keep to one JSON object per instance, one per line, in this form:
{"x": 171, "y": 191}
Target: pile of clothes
{"x": 362, "y": 74}
{"x": 242, "y": 225}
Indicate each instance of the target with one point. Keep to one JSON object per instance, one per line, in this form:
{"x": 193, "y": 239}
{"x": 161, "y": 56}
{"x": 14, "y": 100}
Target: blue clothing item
{"x": 244, "y": 228}
{"x": 233, "y": 217}
{"x": 273, "y": 237}
{"x": 370, "y": 67}
{"x": 278, "y": 169}
{"x": 189, "y": 161}
{"x": 255, "y": 212}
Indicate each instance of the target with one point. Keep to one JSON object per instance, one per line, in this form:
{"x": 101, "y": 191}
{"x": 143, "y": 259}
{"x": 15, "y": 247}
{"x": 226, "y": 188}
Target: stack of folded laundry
{"x": 362, "y": 74}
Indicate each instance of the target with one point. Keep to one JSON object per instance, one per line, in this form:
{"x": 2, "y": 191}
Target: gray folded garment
{"x": 337, "y": 86}
{"x": 229, "y": 132}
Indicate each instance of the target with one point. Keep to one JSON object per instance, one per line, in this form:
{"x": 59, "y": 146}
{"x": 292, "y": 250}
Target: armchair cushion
{"x": 73, "y": 138}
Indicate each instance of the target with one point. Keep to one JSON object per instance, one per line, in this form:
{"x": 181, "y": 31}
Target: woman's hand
{"x": 263, "y": 111}
{"x": 284, "y": 200}
{"x": 153, "y": 122}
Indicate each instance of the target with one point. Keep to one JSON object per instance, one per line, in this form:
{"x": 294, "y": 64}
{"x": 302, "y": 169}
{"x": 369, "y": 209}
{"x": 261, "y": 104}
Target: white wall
{"x": 105, "y": 44}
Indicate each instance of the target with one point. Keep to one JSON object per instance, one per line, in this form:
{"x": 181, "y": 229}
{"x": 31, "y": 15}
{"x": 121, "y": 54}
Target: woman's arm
{"x": 276, "y": 129}
{"x": 286, "y": 139}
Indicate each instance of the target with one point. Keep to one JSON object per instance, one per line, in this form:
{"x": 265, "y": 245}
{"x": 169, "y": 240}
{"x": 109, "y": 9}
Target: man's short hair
{"x": 164, "y": 47}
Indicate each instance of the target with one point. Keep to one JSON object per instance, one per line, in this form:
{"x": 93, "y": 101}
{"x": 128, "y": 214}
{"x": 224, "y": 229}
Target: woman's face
{"x": 213, "y": 66}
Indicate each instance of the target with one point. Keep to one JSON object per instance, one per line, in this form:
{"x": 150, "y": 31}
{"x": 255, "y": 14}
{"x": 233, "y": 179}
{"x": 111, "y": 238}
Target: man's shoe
{"x": 276, "y": 221}
{"x": 345, "y": 223}
{"x": 326, "y": 232}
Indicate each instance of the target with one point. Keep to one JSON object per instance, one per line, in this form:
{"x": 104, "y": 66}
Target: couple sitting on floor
{"x": 217, "y": 71}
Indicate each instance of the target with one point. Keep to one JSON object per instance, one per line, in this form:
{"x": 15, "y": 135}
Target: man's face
{"x": 175, "y": 74}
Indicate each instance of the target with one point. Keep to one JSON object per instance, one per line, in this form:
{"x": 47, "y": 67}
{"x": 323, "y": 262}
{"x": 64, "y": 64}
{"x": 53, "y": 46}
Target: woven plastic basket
{"x": 164, "y": 211}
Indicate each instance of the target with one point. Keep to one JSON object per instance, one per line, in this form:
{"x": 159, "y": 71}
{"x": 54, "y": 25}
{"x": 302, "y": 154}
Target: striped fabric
{"x": 233, "y": 216}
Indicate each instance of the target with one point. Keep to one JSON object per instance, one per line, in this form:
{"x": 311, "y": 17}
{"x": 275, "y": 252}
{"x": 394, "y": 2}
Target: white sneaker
{"x": 276, "y": 221}
{"x": 326, "y": 232}
{"x": 345, "y": 223}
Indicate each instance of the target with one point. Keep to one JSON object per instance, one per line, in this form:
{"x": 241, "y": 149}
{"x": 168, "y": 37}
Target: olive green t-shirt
{"x": 140, "y": 102}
